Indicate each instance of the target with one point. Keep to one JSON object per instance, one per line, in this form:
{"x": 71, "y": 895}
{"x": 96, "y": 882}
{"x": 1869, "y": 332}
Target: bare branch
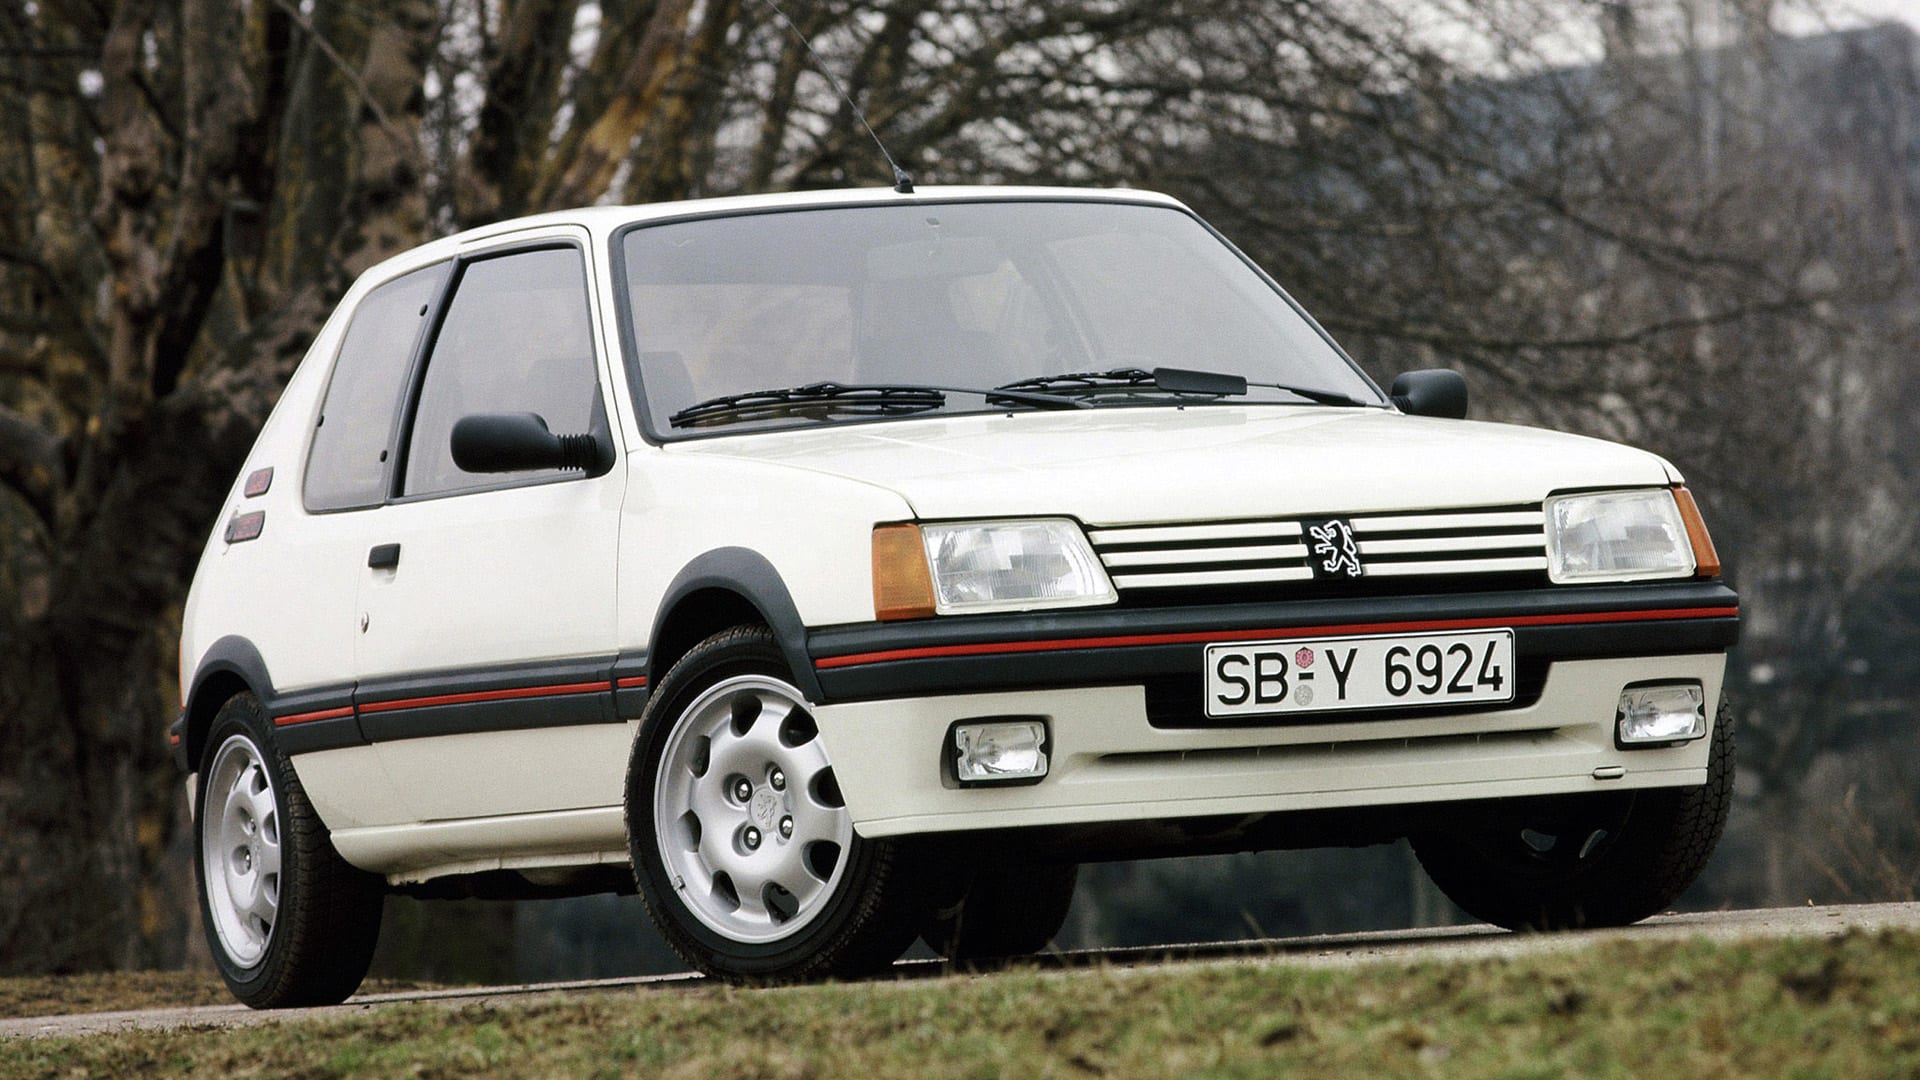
{"x": 1464, "y": 341}
{"x": 524, "y": 71}
{"x": 598, "y": 152}
{"x": 406, "y": 147}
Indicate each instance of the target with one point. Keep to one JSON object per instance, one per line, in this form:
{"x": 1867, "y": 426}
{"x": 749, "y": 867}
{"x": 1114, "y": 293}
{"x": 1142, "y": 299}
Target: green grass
{"x": 1841, "y": 1007}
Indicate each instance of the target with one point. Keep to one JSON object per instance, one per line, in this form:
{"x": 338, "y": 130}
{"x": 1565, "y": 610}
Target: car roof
{"x": 603, "y": 220}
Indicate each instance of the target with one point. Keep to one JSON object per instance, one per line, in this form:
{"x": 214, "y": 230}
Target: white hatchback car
{"x": 843, "y": 567}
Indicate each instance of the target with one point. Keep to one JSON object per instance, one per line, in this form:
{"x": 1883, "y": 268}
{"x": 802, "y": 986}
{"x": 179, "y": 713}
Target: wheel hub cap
{"x": 240, "y": 846}
{"x": 765, "y": 808}
{"x": 747, "y": 814}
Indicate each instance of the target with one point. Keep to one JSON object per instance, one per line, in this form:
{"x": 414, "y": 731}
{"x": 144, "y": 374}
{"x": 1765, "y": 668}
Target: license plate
{"x": 1260, "y": 678}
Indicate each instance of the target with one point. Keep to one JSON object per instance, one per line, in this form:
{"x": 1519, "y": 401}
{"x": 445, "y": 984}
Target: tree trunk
{"x": 95, "y": 799}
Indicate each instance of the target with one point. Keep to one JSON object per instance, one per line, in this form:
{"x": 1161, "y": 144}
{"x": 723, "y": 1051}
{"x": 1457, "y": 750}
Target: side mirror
{"x": 516, "y": 442}
{"x": 1433, "y": 392}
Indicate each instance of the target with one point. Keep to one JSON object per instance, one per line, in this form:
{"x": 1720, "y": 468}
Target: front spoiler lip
{"x": 1111, "y": 645}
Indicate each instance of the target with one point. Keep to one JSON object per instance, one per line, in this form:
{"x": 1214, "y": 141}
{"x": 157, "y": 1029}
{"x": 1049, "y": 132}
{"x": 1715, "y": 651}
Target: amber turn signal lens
{"x": 1706, "y": 560}
{"x": 902, "y": 584}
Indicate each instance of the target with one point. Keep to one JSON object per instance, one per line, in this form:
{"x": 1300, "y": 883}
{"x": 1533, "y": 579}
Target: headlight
{"x": 987, "y": 566}
{"x": 1617, "y": 536}
{"x": 1008, "y": 565}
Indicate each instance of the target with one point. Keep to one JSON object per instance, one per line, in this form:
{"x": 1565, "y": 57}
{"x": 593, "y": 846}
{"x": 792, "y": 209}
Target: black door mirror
{"x": 517, "y": 442}
{"x": 1433, "y": 392}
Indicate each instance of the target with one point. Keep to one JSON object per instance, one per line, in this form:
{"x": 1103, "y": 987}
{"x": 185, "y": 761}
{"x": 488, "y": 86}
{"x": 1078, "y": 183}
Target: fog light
{"x": 1661, "y": 714}
{"x": 1000, "y": 751}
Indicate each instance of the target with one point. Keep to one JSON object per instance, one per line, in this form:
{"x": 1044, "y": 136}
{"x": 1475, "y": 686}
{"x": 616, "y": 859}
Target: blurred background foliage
{"x": 1688, "y": 224}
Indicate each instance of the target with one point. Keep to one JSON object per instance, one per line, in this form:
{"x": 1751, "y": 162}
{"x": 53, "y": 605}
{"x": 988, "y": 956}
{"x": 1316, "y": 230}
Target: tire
{"x": 1586, "y": 860}
{"x": 1009, "y": 910}
{"x": 742, "y": 845}
{"x": 288, "y": 921}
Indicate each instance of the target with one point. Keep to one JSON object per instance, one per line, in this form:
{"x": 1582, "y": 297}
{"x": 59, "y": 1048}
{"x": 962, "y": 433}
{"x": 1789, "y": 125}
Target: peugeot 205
{"x": 834, "y": 569}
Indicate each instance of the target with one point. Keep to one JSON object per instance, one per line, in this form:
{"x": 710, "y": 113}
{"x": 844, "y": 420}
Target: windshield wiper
{"x": 1166, "y": 380}
{"x": 1083, "y": 382}
{"x": 1183, "y": 381}
{"x": 880, "y": 399}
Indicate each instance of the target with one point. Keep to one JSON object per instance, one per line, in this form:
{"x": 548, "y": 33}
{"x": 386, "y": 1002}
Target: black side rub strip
{"x": 519, "y": 697}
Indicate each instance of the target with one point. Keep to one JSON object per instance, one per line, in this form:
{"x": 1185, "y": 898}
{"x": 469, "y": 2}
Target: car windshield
{"x": 969, "y": 295}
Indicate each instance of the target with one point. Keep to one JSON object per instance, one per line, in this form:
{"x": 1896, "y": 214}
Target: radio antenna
{"x": 902, "y": 179}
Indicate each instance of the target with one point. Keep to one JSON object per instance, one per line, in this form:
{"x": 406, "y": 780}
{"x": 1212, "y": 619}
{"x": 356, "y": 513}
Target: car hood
{"x": 1122, "y": 465}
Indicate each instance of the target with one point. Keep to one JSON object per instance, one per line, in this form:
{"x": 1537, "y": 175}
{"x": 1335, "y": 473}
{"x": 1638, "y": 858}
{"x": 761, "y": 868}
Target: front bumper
{"x": 1120, "y": 691}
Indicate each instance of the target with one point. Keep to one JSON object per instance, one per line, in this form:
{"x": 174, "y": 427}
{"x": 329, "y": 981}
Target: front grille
{"x": 1493, "y": 543}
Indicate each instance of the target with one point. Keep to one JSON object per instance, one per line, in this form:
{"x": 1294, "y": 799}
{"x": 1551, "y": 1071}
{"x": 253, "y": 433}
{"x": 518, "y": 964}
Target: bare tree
{"x": 1700, "y": 242}
{"x": 187, "y": 185}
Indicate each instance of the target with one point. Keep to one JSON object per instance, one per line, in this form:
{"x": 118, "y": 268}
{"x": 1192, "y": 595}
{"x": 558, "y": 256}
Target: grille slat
{"x": 1447, "y": 522}
{"x": 1212, "y": 577}
{"x": 1455, "y": 544}
{"x": 1171, "y": 534}
{"x": 1433, "y": 544}
{"x": 1457, "y": 566}
{"x": 1277, "y": 553}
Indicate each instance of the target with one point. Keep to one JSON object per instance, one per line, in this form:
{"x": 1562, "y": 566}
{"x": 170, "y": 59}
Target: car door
{"x": 487, "y": 600}
{"x": 301, "y": 607}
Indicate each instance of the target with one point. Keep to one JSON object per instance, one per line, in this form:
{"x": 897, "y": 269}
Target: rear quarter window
{"x": 347, "y": 465}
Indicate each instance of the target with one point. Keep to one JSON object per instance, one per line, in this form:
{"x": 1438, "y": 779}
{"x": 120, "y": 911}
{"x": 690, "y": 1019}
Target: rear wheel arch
{"x": 723, "y": 588}
{"x": 230, "y": 667}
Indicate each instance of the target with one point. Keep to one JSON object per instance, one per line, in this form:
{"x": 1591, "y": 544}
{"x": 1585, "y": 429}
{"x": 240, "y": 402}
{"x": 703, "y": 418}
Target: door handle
{"x": 384, "y": 556}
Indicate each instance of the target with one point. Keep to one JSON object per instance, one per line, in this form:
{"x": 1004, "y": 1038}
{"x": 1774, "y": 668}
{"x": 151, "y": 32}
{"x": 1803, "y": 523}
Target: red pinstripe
{"x": 485, "y": 695}
{"x": 323, "y": 714}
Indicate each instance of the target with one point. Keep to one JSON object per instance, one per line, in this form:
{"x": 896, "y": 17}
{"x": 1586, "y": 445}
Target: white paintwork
{"x": 1120, "y": 466}
{"x": 508, "y": 772}
{"x": 292, "y": 591}
{"x": 1523, "y": 520}
{"x": 1482, "y": 566}
{"x": 1214, "y": 577}
{"x": 495, "y": 576}
{"x": 1132, "y": 466}
{"x": 816, "y": 529}
{"x": 420, "y": 851}
{"x": 245, "y": 589}
{"x": 1171, "y": 534}
{"x": 1109, "y": 764}
{"x": 490, "y": 577}
{"x": 350, "y": 788}
{"x": 1440, "y": 543}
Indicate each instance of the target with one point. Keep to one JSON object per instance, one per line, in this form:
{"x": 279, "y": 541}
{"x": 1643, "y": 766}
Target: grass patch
{"x": 113, "y": 991}
{"x": 1814, "y": 1008}
{"x": 60, "y": 995}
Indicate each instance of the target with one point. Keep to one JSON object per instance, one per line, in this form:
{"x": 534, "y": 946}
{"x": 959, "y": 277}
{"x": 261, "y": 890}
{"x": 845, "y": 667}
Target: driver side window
{"x": 516, "y": 338}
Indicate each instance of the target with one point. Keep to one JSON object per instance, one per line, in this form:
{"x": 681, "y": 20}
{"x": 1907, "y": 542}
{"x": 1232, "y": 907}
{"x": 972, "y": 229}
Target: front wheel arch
{"x": 722, "y": 588}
